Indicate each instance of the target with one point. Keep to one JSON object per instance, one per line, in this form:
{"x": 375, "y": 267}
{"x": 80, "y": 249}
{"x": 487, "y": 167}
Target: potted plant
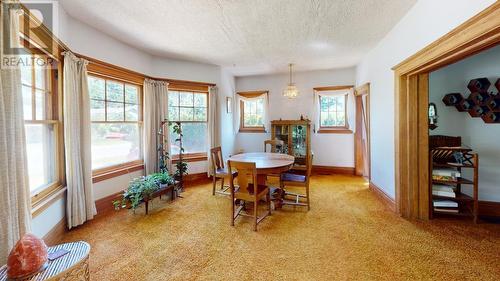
{"x": 162, "y": 179}
{"x": 138, "y": 190}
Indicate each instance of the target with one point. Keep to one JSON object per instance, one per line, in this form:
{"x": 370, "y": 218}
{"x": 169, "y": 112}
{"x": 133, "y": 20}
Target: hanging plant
{"x": 163, "y": 155}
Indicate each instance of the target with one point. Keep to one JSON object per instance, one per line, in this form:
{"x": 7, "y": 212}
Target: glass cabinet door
{"x": 299, "y": 143}
{"x": 281, "y": 133}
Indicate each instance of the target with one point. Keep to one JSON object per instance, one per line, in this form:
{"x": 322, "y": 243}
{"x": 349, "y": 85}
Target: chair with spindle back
{"x": 298, "y": 180}
{"x": 248, "y": 190}
{"x": 274, "y": 145}
{"x": 218, "y": 171}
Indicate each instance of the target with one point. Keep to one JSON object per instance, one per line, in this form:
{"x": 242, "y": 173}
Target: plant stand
{"x": 162, "y": 191}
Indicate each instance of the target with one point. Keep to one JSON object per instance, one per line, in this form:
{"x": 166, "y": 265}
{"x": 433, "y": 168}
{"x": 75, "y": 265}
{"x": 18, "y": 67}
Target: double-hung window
{"x": 116, "y": 128}
{"x": 190, "y": 108}
{"x": 42, "y": 126}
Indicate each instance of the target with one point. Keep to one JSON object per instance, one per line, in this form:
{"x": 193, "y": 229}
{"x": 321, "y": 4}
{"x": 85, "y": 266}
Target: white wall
{"x": 88, "y": 41}
{"x": 483, "y": 138}
{"x": 227, "y": 88}
{"x": 330, "y": 149}
{"x": 427, "y": 21}
{"x": 48, "y": 219}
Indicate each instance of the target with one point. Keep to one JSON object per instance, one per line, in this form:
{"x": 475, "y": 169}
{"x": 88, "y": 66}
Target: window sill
{"x": 335, "y": 131}
{"x": 194, "y": 157}
{"x": 102, "y": 175}
{"x": 252, "y": 130}
{"x": 41, "y": 205}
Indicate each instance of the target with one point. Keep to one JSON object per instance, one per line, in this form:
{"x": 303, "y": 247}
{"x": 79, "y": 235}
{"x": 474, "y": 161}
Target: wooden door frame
{"x": 359, "y": 92}
{"x": 411, "y": 101}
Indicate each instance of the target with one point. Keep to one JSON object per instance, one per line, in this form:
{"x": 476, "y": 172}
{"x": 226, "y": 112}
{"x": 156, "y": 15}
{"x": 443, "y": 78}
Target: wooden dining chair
{"x": 274, "y": 145}
{"x": 219, "y": 172}
{"x": 248, "y": 191}
{"x": 297, "y": 179}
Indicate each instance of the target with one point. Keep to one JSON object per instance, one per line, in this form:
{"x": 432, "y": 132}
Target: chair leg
{"x": 214, "y": 181}
{"x": 269, "y": 202}
{"x": 255, "y": 204}
{"x": 232, "y": 210}
{"x": 222, "y": 184}
{"x": 307, "y": 193}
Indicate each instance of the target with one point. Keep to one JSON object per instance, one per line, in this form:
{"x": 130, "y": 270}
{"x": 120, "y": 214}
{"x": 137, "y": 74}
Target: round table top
{"x": 266, "y": 162}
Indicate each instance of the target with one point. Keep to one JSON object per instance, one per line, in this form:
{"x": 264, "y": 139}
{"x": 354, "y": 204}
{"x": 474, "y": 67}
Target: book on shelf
{"x": 448, "y": 173}
{"x": 447, "y": 210}
{"x": 445, "y": 204}
{"x": 443, "y": 190}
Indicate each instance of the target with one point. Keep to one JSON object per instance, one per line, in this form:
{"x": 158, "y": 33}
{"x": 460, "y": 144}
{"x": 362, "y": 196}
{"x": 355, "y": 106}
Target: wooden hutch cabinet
{"x": 297, "y": 137}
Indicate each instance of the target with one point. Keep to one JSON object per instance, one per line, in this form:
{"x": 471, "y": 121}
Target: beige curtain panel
{"x": 15, "y": 205}
{"x": 213, "y": 124}
{"x": 80, "y": 205}
{"x": 155, "y": 111}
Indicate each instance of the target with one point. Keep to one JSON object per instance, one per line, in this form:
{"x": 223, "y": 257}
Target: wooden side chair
{"x": 248, "y": 191}
{"x": 299, "y": 180}
{"x": 218, "y": 171}
{"x": 276, "y": 145}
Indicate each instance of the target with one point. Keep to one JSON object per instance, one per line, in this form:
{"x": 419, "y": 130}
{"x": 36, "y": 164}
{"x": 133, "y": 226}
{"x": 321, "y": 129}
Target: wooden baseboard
{"x": 384, "y": 197}
{"x": 331, "y": 170}
{"x": 198, "y": 178}
{"x": 106, "y": 204}
{"x": 56, "y": 233}
{"x": 489, "y": 209}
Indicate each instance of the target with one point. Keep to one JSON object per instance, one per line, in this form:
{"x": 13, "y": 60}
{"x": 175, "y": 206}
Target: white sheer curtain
{"x": 213, "y": 124}
{"x": 316, "y": 105}
{"x": 265, "y": 117}
{"x": 15, "y": 205}
{"x": 155, "y": 111}
{"x": 80, "y": 205}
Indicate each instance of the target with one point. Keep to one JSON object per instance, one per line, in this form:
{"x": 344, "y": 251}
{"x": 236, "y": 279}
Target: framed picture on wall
{"x": 229, "y": 104}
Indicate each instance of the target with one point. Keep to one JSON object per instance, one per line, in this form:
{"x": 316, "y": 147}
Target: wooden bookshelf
{"x": 442, "y": 157}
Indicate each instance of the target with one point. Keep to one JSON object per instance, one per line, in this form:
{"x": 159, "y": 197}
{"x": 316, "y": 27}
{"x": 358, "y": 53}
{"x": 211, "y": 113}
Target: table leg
{"x": 277, "y": 193}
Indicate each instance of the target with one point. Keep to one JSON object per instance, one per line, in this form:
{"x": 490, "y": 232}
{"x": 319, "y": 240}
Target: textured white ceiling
{"x": 249, "y": 36}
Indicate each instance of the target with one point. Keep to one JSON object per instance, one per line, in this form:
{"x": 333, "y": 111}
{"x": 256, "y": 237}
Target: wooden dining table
{"x": 268, "y": 164}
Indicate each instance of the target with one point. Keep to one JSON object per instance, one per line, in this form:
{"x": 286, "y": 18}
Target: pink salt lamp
{"x": 28, "y": 257}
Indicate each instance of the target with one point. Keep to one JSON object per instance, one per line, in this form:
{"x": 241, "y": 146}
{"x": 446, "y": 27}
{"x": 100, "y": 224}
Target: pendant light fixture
{"x": 291, "y": 90}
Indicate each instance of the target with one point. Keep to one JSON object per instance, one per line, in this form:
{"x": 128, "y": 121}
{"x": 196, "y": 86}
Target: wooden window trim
{"x": 46, "y": 201}
{"x": 116, "y": 170}
{"x": 53, "y": 88}
{"x": 256, "y": 129}
{"x": 335, "y": 129}
{"x": 333, "y": 88}
{"x": 105, "y": 173}
{"x": 190, "y": 157}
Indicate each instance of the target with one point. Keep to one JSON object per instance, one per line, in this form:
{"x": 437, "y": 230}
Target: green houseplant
{"x": 181, "y": 166}
{"x": 142, "y": 188}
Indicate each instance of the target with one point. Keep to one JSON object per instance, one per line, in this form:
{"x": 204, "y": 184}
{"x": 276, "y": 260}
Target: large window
{"x": 40, "y": 107}
{"x": 116, "y": 122}
{"x": 333, "y": 111}
{"x": 191, "y": 109}
{"x": 252, "y": 106}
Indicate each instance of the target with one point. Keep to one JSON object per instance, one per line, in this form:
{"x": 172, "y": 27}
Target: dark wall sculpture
{"x": 480, "y": 103}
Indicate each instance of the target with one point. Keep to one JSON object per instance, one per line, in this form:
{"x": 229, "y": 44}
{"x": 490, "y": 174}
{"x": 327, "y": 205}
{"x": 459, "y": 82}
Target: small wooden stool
{"x": 74, "y": 266}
